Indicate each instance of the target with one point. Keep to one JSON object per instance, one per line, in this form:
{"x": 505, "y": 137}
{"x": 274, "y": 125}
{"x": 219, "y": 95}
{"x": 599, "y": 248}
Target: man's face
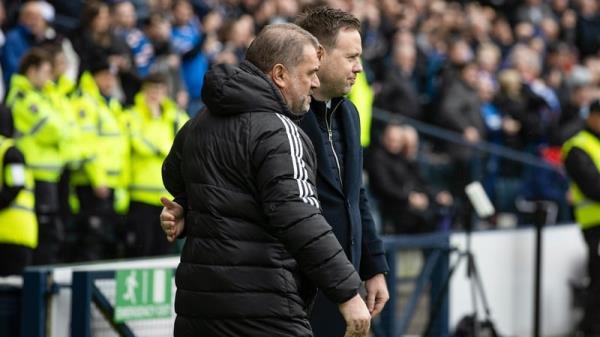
{"x": 59, "y": 65}
{"x": 125, "y": 15}
{"x": 393, "y": 139}
{"x": 101, "y": 23}
{"x": 340, "y": 65}
{"x": 41, "y": 75}
{"x": 155, "y": 93}
{"x": 301, "y": 81}
{"x": 32, "y": 19}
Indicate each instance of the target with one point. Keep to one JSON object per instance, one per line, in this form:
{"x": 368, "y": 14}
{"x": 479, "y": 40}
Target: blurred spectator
{"x": 534, "y": 11}
{"x": 408, "y": 204}
{"x": 155, "y": 119}
{"x": 588, "y": 28}
{"x": 29, "y": 31}
{"x": 41, "y": 130}
{"x": 543, "y": 105}
{"x": 399, "y": 93}
{"x": 187, "y": 39}
{"x": 488, "y": 59}
{"x": 460, "y": 108}
{"x": 124, "y": 23}
{"x": 460, "y": 111}
{"x": 166, "y": 61}
{"x": 492, "y": 119}
{"x": 512, "y": 103}
{"x": 459, "y": 54}
{"x": 502, "y": 35}
{"x": 574, "y": 112}
{"x": 94, "y": 40}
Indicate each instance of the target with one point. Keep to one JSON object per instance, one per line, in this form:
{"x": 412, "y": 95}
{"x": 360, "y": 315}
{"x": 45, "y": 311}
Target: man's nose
{"x": 358, "y": 68}
{"x": 315, "y": 82}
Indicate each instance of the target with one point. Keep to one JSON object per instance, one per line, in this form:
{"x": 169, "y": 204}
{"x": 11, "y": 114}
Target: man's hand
{"x": 357, "y": 317}
{"x": 377, "y": 294}
{"x": 171, "y": 219}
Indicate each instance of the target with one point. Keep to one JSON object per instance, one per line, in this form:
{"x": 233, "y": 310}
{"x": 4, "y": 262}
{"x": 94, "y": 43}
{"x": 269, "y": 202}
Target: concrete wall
{"x": 506, "y": 264}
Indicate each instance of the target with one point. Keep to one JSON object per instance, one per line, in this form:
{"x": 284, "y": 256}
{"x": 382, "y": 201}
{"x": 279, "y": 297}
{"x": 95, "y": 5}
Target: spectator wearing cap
{"x": 581, "y": 155}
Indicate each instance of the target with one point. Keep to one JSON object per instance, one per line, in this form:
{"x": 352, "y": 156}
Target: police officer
{"x": 581, "y": 154}
{"x": 105, "y": 149}
{"x": 38, "y": 134}
{"x": 155, "y": 119}
{"x": 60, "y": 91}
{"x": 19, "y": 229}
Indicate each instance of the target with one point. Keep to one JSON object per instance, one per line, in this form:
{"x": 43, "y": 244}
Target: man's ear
{"x": 279, "y": 75}
{"x": 321, "y": 52}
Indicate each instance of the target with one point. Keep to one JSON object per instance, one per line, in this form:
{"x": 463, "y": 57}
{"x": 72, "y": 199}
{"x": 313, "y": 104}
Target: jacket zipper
{"x": 330, "y": 132}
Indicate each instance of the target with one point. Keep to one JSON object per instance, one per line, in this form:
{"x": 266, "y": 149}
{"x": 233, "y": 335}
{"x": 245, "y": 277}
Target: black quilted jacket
{"x": 257, "y": 244}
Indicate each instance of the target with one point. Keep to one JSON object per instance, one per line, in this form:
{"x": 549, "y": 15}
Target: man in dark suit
{"x": 334, "y": 129}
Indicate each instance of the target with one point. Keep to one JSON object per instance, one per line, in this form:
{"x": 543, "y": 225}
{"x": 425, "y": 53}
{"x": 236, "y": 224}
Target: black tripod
{"x": 476, "y": 290}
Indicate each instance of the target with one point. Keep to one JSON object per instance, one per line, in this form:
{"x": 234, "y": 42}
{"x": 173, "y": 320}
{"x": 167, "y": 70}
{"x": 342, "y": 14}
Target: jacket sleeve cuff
{"x": 345, "y": 291}
{"x": 373, "y": 265}
{"x": 182, "y": 201}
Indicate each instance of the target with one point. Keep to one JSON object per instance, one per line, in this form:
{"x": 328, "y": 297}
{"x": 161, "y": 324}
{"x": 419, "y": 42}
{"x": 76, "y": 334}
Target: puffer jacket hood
{"x": 230, "y": 90}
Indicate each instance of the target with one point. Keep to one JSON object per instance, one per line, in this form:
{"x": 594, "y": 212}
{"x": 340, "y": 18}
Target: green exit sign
{"x": 143, "y": 294}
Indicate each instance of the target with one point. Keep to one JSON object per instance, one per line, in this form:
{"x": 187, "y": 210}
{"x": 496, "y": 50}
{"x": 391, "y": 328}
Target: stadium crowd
{"x": 95, "y": 91}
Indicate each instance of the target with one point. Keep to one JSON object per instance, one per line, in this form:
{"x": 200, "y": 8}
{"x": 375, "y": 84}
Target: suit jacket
{"x": 345, "y": 206}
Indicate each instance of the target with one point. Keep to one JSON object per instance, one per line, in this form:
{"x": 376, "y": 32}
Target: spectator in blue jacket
{"x": 125, "y": 19}
{"x": 187, "y": 39}
{"x": 29, "y": 30}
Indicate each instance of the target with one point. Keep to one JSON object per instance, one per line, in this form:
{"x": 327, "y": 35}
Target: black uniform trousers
{"x": 14, "y": 259}
{"x": 145, "y": 237}
{"x": 96, "y": 226}
{"x": 50, "y": 227}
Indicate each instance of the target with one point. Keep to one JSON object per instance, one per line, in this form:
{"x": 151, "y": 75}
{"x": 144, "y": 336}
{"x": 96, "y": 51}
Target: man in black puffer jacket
{"x": 245, "y": 173}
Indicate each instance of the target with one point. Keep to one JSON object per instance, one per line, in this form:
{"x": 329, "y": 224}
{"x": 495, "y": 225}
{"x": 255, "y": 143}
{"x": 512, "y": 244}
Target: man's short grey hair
{"x": 279, "y": 43}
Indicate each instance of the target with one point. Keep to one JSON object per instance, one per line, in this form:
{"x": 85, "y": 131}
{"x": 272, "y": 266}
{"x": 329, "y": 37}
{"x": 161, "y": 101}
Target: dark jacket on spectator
{"x": 567, "y": 125}
{"x": 399, "y": 95}
{"x": 256, "y": 239}
{"x": 18, "y": 41}
{"x": 90, "y": 51}
{"x": 587, "y": 35}
{"x": 392, "y": 179}
{"x": 514, "y": 107}
{"x": 459, "y": 109}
